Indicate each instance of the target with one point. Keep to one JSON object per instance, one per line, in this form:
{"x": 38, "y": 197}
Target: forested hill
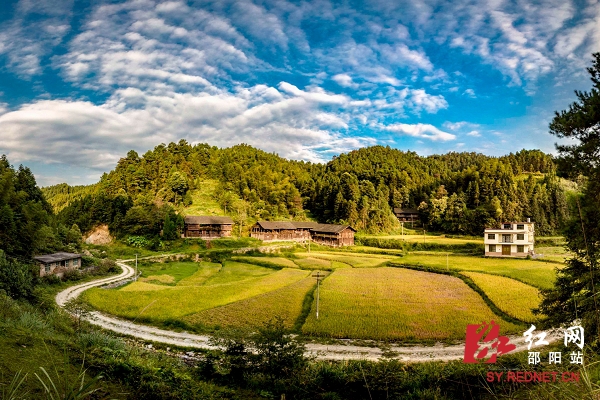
{"x": 455, "y": 192}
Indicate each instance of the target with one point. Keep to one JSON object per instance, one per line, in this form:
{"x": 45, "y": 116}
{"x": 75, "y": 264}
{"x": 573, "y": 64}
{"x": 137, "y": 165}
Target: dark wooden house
{"x": 270, "y": 231}
{"x": 58, "y": 263}
{"x": 407, "y": 215}
{"x": 328, "y": 234}
{"x": 207, "y": 227}
{"x": 333, "y": 235}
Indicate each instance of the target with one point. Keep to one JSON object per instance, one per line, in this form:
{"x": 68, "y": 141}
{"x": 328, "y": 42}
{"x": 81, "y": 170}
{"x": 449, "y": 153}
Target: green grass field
{"x": 203, "y": 199}
{"x": 513, "y": 297}
{"x": 171, "y": 272}
{"x": 396, "y": 304}
{"x": 533, "y": 272}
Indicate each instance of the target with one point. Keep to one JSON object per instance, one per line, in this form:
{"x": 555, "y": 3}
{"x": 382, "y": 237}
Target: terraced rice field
{"x": 513, "y": 297}
{"x": 396, "y": 304}
{"x": 158, "y": 302}
{"x": 427, "y": 239}
{"x": 533, "y": 272}
{"x": 313, "y": 263}
{"x": 276, "y": 262}
{"x": 356, "y": 261}
{"x": 285, "y": 303}
{"x": 361, "y": 298}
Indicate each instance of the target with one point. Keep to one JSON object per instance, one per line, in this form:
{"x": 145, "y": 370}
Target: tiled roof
{"x": 331, "y": 228}
{"x": 276, "y": 225}
{"x": 208, "y": 220}
{"x": 56, "y": 257}
{"x": 405, "y": 211}
{"x": 313, "y": 226}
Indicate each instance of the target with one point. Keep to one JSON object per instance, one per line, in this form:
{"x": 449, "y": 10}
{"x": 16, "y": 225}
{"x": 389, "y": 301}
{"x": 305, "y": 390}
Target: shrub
{"x": 71, "y": 275}
{"x": 16, "y": 278}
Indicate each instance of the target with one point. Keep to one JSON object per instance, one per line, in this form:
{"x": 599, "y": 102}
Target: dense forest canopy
{"x": 454, "y": 192}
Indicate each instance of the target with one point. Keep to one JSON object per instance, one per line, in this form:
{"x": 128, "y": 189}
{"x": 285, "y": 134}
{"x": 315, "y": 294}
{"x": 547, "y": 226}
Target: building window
{"x": 47, "y": 267}
{"x": 491, "y": 236}
{"x": 507, "y": 226}
{"x": 520, "y": 236}
{"x": 506, "y": 238}
{"x": 492, "y": 248}
{"x": 76, "y": 262}
{"x": 520, "y": 248}
{"x": 520, "y": 226}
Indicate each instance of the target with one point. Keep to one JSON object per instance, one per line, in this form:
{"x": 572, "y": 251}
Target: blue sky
{"x": 83, "y": 82}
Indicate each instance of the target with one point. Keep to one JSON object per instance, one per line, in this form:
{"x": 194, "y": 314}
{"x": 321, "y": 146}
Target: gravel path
{"x": 407, "y": 353}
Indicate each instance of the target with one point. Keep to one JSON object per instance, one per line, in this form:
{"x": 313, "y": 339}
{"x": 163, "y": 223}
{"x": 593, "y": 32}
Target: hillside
{"x": 454, "y": 192}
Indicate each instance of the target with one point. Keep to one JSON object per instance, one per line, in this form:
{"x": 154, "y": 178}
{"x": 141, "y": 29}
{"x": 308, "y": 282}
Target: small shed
{"x": 58, "y": 263}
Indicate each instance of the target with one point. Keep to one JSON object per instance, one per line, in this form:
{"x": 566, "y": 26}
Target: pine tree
{"x": 577, "y": 286}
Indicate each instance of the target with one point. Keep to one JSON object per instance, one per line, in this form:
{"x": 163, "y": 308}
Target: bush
{"x": 16, "y": 278}
{"x": 107, "y": 266}
{"x": 71, "y": 275}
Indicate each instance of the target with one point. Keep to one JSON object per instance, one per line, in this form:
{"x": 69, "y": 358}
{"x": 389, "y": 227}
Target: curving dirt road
{"x": 407, "y": 353}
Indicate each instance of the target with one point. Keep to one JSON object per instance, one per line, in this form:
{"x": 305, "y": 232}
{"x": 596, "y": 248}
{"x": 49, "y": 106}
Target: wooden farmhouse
{"x": 407, "y": 215}
{"x": 327, "y": 234}
{"x": 207, "y": 227}
{"x": 58, "y": 263}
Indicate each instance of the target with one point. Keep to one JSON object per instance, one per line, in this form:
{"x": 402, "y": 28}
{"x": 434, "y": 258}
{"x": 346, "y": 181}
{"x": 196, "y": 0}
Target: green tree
{"x": 576, "y": 291}
{"x": 16, "y": 278}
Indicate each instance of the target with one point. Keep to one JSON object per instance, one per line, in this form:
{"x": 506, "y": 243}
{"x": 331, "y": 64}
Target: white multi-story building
{"x": 512, "y": 239}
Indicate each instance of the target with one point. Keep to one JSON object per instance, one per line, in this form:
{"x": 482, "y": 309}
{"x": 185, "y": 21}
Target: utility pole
{"x": 402, "y": 225}
{"x": 319, "y": 277}
{"x": 136, "y": 266}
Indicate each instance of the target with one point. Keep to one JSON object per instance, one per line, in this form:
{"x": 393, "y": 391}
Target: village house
{"x": 298, "y": 231}
{"x": 207, "y": 227}
{"x": 407, "y": 215}
{"x": 333, "y": 235}
{"x": 58, "y": 263}
{"x": 511, "y": 239}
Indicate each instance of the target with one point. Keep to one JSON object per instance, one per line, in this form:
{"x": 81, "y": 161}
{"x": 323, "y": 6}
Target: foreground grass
{"x": 533, "y": 272}
{"x": 512, "y": 297}
{"x": 396, "y": 304}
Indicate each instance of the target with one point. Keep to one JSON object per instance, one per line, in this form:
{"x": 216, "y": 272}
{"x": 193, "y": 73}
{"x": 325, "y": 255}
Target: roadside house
{"x": 58, "y": 263}
{"x": 207, "y": 227}
{"x": 511, "y": 239}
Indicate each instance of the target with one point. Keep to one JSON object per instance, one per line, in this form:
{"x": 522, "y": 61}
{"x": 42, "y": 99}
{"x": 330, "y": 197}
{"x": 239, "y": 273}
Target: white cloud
{"x": 87, "y": 135}
{"x": 470, "y": 93}
{"x": 474, "y": 134}
{"x": 421, "y": 100}
{"x": 425, "y": 131}
{"x": 344, "y": 80}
